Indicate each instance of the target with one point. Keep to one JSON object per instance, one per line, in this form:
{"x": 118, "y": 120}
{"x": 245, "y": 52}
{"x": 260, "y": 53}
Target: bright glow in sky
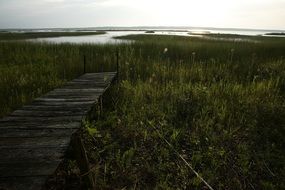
{"x": 262, "y": 14}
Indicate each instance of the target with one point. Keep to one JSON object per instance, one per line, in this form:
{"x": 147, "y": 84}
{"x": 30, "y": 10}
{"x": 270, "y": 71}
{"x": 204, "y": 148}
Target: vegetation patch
{"x": 32, "y": 35}
{"x": 220, "y": 104}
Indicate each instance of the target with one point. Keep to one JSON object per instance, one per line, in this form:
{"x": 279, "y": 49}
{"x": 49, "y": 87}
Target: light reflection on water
{"x": 98, "y": 39}
{"x": 109, "y": 36}
{"x": 106, "y": 38}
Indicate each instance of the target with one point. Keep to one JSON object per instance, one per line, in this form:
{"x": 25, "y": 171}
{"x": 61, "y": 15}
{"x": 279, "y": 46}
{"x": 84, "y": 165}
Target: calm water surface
{"x": 98, "y": 39}
{"x": 109, "y": 36}
{"x": 104, "y": 38}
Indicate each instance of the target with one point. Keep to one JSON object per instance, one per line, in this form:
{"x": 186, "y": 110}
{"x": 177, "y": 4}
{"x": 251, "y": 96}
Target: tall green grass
{"x": 219, "y": 103}
{"x": 28, "y": 70}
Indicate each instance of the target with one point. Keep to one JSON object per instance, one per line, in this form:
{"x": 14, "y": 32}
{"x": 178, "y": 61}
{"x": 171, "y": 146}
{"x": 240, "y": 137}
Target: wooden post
{"x": 101, "y": 105}
{"x": 84, "y": 64}
{"x": 82, "y": 161}
{"x": 93, "y": 62}
{"x": 118, "y": 66}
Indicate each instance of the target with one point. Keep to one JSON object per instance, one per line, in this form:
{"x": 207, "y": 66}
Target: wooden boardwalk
{"x": 34, "y": 139}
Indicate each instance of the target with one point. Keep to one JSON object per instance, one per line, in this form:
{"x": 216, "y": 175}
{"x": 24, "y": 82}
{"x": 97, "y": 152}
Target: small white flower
{"x": 165, "y": 50}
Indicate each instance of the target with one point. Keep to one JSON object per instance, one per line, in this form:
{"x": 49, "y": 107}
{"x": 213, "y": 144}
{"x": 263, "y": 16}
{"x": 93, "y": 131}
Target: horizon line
{"x": 144, "y": 26}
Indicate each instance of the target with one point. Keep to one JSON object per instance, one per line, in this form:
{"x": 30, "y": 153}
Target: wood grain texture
{"x": 34, "y": 139}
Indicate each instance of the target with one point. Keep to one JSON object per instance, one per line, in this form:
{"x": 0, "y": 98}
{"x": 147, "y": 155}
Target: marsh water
{"x": 112, "y": 32}
{"x": 101, "y": 39}
{"x": 106, "y": 38}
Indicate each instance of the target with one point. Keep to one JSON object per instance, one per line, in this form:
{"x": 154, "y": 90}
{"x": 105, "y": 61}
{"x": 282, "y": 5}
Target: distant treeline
{"x": 276, "y": 33}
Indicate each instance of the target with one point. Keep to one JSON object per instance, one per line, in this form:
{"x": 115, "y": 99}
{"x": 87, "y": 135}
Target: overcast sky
{"x": 261, "y": 14}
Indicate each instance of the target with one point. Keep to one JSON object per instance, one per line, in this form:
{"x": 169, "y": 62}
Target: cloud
{"x": 76, "y": 13}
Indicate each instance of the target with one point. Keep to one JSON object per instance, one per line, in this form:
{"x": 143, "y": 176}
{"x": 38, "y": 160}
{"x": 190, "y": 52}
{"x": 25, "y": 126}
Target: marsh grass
{"x": 219, "y": 103}
{"x": 32, "y": 35}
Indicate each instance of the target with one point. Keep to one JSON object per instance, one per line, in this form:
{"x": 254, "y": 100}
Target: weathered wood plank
{"x": 86, "y": 103}
{"x": 38, "y": 113}
{"x": 42, "y": 119}
{"x": 56, "y": 107}
{"x": 34, "y": 139}
{"x": 34, "y": 132}
{"x": 22, "y": 183}
{"x": 47, "y": 99}
{"x": 33, "y": 142}
{"x": 23, "y": 169}
{"x": 62, "y": 95}
{"x": 29, "y": 154}
{"x": 94, "y": 75}
{"x": 37, "y": 125}
{"x": 104, "y": 76}
{"x": 77, "y": 92}
{"x": 81, "y": 82}
{"x": 84, "y": 86}
{"x": 73, "y": 93}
